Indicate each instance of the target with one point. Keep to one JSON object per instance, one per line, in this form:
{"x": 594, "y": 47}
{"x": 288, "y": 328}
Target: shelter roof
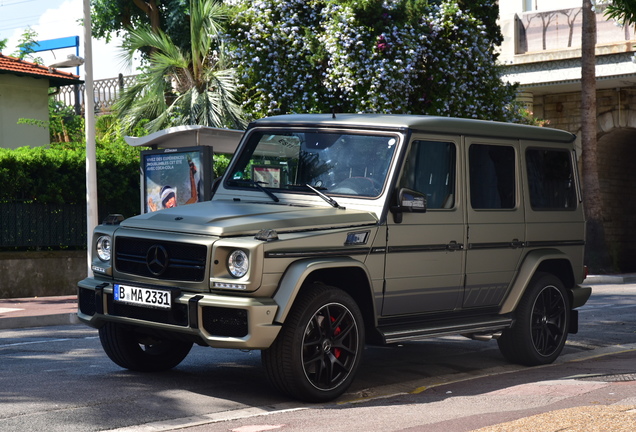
{"x": 221, "y": 140}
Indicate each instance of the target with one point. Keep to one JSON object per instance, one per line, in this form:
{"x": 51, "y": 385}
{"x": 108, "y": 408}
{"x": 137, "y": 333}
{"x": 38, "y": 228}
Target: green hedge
{"x": 57, "y": 175}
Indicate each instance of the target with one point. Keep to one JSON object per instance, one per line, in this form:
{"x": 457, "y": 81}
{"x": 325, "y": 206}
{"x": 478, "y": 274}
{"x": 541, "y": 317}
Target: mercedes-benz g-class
{"x": 329, "y": 232}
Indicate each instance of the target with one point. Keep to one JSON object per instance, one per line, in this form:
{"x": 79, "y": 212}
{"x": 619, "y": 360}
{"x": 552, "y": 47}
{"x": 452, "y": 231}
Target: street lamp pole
{"x": 91, "y": 157}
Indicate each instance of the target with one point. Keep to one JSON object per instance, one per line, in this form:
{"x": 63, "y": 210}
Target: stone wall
{"x": 614, "y": 106}
{"x": 616, "y": 126}
{"x": 41, "y": 274}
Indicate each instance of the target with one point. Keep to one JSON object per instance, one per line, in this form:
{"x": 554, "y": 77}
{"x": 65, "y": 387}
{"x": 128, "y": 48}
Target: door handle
{"x": 453, "y": 246}
{"x": 517, "y": 244}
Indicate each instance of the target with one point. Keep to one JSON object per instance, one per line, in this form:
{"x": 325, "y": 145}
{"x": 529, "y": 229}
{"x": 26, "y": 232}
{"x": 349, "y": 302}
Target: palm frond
{"x": 178, "y": 87}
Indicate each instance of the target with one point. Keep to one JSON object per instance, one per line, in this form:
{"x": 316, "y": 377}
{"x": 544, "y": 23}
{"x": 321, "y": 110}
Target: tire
{"x": 316, "y": 355}
{"x": 141, "y": 353}
{"x": 541, "y": 325}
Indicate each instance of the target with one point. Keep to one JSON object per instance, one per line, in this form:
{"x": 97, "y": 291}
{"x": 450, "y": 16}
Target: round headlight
{"x": 104, "y": 248}
{"x": 238, "y": 263}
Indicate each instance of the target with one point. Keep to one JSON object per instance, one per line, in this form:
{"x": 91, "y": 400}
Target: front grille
{"x": 184, "y": 262}
{"x": 86, "y": 301}
{"x": 226, "y": 322}
{"x": 177, "y": 315}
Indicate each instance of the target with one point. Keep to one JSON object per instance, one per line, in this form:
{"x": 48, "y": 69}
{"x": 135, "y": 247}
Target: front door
{"x": 425, "y": 254}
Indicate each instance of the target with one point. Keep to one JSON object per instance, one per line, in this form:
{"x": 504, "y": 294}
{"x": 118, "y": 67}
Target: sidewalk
{"x": 38, "y": 312}
{"x": 580, "y": 392}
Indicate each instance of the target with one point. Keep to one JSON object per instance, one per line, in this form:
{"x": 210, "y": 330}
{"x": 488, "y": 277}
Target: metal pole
{"x": 89, "y": 113}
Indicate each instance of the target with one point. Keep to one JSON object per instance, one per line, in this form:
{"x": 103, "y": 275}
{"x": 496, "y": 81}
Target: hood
{"x": 234, "y": 218}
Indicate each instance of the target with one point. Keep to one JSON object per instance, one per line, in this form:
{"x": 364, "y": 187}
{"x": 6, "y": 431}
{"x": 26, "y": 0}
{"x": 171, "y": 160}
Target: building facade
{"x": 24, "y": 94}
{"x": 542, "y": 52}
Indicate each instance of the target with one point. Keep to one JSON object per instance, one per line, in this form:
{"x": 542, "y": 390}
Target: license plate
{"x": 148, "y": 297}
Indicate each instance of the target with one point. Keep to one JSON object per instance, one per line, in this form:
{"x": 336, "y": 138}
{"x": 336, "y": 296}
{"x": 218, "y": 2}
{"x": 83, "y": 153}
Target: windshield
{"x": 334, "y": 163}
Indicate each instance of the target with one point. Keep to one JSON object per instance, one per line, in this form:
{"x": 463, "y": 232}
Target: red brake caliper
{"x": 336, "y": 332}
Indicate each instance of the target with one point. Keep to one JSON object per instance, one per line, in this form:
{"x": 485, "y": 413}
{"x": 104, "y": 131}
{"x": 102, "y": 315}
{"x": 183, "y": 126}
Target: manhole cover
{"x": 610, "y": 377}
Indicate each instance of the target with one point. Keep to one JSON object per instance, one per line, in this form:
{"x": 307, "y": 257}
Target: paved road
{"x": 58, "y": 379}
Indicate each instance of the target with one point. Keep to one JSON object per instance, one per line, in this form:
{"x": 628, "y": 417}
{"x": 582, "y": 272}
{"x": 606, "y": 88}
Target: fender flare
{"x": 296, "y": 274}
{"x": 528, "y": 268}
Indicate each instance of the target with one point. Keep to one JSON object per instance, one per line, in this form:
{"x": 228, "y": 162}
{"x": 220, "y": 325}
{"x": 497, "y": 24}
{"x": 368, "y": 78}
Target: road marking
{"x": 33, "y": 342}
{"x": 45, "y": 341}
{"x": 199, "y": 420}
{"x": 257, "y": 428}
{"x": 5, "y": 310}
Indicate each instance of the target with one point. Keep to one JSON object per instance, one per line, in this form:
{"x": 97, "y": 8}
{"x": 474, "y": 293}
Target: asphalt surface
{"x": 580, "y": 392}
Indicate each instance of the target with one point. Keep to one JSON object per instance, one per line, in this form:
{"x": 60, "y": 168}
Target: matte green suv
{"x": 331, "y": 231}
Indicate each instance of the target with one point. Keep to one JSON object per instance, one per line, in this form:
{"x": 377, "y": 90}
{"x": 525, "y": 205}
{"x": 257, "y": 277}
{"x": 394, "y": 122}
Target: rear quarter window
{"x": 550, "y": 179}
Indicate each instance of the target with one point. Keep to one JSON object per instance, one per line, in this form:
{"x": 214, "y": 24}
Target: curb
{"x": 38, "y": 321}
{"x": 610, "y": 279}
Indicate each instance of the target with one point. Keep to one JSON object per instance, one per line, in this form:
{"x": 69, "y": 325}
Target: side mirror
{"x": 408, "y": 200}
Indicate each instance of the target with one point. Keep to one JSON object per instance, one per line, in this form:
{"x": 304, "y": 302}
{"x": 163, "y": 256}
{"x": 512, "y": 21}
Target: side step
{"x": 393, "y": 334}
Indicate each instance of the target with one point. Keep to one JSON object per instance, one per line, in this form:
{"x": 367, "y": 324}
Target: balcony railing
{"x": 561, "y": 30}
{"x": 105, "y": 92}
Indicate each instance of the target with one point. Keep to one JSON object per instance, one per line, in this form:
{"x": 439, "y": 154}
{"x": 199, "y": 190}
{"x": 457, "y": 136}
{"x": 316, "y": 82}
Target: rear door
{"x": 554, "y": 215}
{"x": 496, "y": 223}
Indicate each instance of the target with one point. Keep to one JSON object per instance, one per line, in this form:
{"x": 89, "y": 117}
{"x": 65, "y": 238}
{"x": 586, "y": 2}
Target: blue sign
{"x": 53, "y": 44}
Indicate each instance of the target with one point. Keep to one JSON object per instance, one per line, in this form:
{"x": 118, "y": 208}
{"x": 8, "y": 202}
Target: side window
{"x": 430, "y": 169}
{"x": 492, "y": 177}
{"x": 550, "y": 179}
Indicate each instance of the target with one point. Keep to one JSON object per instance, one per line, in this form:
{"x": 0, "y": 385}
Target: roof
{"x": 421, "y": 123}
{"x": 221, "y": 140}
{"x": 14, "y": 66}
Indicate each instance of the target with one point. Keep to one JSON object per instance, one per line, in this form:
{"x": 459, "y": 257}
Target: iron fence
{"x": 42, "y": 226}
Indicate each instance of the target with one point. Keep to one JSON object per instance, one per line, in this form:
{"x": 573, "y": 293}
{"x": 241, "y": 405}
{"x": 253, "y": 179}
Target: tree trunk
{"x": 149, "y": 7}
{"x": 596, "y": 254}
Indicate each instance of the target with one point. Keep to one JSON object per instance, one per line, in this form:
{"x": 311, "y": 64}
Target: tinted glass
{"x": 550, "y": 179}
{"x": 492, "y": 177}
{"x": 430, "y": 169}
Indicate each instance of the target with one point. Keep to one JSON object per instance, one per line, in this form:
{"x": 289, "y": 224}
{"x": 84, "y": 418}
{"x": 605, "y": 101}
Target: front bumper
{"x": 215, "y": 320}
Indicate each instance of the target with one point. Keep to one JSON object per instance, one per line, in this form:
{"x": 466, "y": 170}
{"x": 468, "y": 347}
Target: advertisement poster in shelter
{"x": 174, "y": 177}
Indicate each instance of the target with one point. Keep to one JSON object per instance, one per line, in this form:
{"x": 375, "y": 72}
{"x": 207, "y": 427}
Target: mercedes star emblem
{"x": 157, "y": 259}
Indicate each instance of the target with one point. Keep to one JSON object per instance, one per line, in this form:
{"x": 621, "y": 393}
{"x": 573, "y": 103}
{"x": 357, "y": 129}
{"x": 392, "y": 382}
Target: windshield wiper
{"x": 259, "y": 187}
{"x": 330, "y": 200}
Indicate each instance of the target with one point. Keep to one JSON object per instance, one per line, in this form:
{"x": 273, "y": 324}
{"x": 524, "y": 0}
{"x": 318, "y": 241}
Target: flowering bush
{"x": 461, "y": 77}
{"x": 381, "y": 56}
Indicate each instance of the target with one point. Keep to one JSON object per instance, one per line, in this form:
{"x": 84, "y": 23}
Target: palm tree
{"x": 596, "y": 253}
{"x": 182, "y": 87}
{"x": 622, "y": 10}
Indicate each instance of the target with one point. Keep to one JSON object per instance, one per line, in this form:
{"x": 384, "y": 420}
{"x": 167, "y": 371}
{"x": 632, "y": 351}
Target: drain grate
{"x": 609, "y": 377}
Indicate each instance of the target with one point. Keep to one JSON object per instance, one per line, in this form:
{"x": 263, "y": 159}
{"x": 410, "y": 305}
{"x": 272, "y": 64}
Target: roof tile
{"x": 12, "y": 65}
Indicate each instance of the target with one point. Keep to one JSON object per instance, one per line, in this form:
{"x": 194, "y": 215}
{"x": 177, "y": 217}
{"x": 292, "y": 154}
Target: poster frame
{"x": 205, "y": 157}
